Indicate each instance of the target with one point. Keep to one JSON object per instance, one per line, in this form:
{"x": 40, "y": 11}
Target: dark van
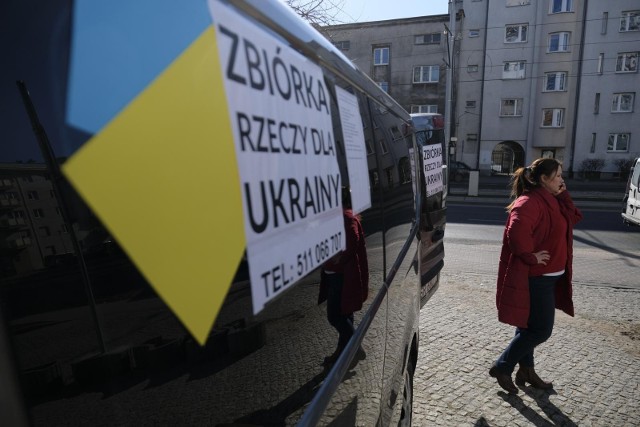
{"x": 187, "y": 162}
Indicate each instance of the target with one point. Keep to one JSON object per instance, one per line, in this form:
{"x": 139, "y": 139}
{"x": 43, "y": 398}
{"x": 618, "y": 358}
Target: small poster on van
{"x": 280, "y": 116}
{"x": 432, "y": 161}
{"x": 354, "y": 145}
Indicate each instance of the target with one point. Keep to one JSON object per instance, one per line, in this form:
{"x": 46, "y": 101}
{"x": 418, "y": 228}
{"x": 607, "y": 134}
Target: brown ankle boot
{"x": 526, "y": 374}
{"x": 504, "y": 380}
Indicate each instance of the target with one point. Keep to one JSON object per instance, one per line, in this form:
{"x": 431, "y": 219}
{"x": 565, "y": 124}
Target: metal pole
{"x": 56, "y": 177}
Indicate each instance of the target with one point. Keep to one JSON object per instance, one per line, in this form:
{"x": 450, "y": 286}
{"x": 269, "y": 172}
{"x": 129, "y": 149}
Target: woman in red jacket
{"x": 344, "y": 280}
{"x": 534, "y": 274}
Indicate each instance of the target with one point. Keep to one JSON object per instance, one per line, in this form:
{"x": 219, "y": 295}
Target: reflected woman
{"x": 344, "y": 280}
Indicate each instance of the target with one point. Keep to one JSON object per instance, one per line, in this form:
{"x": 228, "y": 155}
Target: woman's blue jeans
{"x": 540, "y": 325}
{"x": 343, "y": 323}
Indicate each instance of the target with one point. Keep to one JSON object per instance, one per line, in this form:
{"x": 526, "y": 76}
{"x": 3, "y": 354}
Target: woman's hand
{"x": 542, "y": 257}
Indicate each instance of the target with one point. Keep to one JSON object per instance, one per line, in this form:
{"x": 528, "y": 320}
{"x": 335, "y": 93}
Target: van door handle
{"x": 438, "y": 234}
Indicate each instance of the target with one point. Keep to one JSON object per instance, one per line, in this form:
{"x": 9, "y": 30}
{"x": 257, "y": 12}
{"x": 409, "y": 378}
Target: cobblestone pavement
{"x": 593, "y": 360}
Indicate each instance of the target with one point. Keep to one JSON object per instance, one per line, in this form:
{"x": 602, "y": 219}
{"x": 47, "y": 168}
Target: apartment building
{"x": 547, "y": 78}
{"x": 403, "y": 56}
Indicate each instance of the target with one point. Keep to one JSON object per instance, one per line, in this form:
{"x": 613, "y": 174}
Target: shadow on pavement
{"x": 557, "y": 417}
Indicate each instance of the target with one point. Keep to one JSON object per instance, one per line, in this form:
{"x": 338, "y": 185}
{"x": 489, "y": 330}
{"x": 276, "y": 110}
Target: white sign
{"x": 355, "y": 148}
{"x": 432, "y": 161}
{"x": 290, "y": 181}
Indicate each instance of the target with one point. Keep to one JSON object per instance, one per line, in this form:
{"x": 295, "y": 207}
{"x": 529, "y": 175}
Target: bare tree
{"x": 318, "y": 12}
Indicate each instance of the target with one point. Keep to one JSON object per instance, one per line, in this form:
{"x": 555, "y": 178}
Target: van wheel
{"x": 407, "y": 397}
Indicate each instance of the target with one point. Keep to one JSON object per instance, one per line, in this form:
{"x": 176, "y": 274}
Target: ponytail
{"x": 527, "y": 178}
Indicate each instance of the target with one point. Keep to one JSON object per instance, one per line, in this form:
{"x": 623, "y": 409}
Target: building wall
{"x": 602, "y": 37}
{"x": 358, "y": 42}
{"x": 479, "y": 40}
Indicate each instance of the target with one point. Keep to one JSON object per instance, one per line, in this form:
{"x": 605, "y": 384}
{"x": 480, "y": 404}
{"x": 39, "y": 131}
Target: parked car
{"x": 210, "y": 142}
{"x": 459, "y": 171}
{"x": 631, "y": 200}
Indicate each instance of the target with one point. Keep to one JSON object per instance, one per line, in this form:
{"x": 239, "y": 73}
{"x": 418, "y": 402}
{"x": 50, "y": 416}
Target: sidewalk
{"x": 593, "y": 358}
{"x": 496, "y": 190}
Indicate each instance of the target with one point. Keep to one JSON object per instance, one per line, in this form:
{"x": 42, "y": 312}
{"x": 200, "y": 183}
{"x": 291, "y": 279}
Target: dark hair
{"x": 346, "y": 198}
{"x": 525, "y": 179}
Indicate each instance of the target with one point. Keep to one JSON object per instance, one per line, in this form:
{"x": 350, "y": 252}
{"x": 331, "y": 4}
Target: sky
{"x": 378, "y": 10}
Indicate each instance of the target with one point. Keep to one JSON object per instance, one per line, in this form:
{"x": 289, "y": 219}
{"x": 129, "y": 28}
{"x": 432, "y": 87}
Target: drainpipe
{"x": 572, "y": 151}
{"x": 484, "y": 60}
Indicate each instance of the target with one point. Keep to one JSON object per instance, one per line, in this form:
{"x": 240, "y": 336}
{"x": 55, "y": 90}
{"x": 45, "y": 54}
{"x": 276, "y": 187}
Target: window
{"x": 622, "y": 102}
{"x": 395, "y": 133}
{"x": 367, "y": 143}
{"x": 426, "y": 74}
{"x": 381, "y": 56}
{"x": 618, "y": 142}
{"x": 343, "y": 45}
{"x": 472, "y": 137}
{"x": 383, "y": 147}
{"x": 474, "y": 33}
{"x": 559, "y": 6}
{"x": 472, "y": 68}
{"x": 600, "y": 63}
{"x": 33, "y": 195}
{"x": 38, "y": 213}
{"x": 559, "y": 42}
{"x": 552, "y": 117}
{"x": 630, "y": 21}
{"x": 510, "y": 3}
{"x": 45, "y": 232}
{"x": 513, "y": 70}
{"x": 511, "y": 107}
{"x": 627, "y": 62}
{"x": 605, "y": 19}
{"x": 424, "y": 109}
{"x": 384, "y": 86}
{"x": 432, "y": 38}
{"x": 471, "y": 104}
{"x": 63, "y": 228}
{"x": 596, "y": 104}
{"x": 516, "y": 33}
{"x": 555, "y": 82}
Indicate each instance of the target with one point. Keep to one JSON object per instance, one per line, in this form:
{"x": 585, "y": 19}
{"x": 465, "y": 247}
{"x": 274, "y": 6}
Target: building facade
{"x": 548, "y": 78}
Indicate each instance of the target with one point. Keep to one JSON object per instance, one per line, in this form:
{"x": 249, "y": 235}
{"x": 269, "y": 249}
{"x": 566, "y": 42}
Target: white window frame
{"x": 618, "y": 103}
{"x": 562, "y": 45}
{"x": 424, "y": 108}
{"x": 517, "y": 107}
{"x": 557, "y": 118}
{"x": 383, "y": 147}
{"x": 559, "y": 79}
{"x": 627, "y": 62}
{"x": 600, "y": 63}
{"x": 629, "y": 21}
{"x": 514, "y": 70}
{"x": 522, "y": 33}
{"x": 343, "y": 44}
{"x": 514, "y": 3}
{"x": 420, "y": 69}
{"x": 614, "y": 141}
{"x": 428, "y": 38}
{"x": 560, "y": 6}
{"x": 379, "y": 54}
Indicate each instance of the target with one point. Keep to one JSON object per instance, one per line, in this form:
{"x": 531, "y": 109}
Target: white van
{"x": 631, "y": 208}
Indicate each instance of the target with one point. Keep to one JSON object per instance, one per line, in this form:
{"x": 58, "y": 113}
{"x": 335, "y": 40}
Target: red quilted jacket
{"x": 527, "y": 230}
